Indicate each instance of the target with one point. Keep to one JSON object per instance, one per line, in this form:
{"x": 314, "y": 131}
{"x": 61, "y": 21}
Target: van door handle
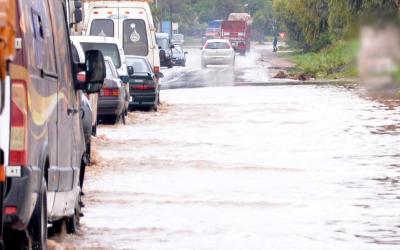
{"x": 72, "y": 111}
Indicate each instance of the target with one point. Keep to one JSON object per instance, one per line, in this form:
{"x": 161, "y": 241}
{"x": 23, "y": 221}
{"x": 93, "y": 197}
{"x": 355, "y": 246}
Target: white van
{"x": 130, "y": 21}
{"x": 110, "y": 47}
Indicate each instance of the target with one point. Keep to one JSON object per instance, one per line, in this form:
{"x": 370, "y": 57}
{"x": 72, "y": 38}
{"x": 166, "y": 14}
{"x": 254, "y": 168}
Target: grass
{"x": 336, "y": 61}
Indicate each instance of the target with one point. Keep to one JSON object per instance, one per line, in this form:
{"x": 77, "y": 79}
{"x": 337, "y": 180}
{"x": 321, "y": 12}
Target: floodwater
{"x": 246, "y": 167}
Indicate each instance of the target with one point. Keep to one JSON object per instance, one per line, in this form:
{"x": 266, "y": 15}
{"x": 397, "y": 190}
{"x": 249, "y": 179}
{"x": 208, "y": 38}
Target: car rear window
{"x": 139, "y": 65}
{"x": 163, "y": 43}
{"x": 108, "y": 49}
{"x": 102, "y": 27}
{"x": 218, "y": 45}
{"x": 135, "y": 37}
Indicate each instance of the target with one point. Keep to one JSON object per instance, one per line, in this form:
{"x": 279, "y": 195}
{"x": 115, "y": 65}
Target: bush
{"x": 337, "y": 60}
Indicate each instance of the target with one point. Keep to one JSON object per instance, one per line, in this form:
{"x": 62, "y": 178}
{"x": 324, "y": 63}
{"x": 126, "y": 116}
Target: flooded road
{"x": 246, "y": 167}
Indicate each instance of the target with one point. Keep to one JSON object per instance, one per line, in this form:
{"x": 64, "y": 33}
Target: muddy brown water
{"x": 273, "y": 167}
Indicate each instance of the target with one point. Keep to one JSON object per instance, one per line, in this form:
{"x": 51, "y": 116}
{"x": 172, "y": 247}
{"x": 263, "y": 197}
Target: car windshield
{"x": 163, "y": 43}
{"x": 108, "y": 49}
{"x": 139, "y": 65}
{"x": 218, "y": 45}
{"x": 178, "y": 37}
{"x": 177, "y": 50}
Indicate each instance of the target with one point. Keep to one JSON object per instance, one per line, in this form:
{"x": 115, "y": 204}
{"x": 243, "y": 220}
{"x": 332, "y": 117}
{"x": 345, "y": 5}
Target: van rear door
{"x": 134, "y": 31}
{"x": 103, "y": 22}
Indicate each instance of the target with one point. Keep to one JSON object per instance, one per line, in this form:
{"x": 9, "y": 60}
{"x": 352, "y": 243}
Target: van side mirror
{"x": 78, "y": 15}
{"x": 95, "y": 71}
{"x": 131, "y": 71}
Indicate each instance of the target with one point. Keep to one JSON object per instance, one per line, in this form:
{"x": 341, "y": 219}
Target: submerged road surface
{"x": 246, "y": 167}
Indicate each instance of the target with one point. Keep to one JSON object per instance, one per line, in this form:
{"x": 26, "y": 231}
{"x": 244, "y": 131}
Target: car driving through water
{"x": 143, "y": 83}
{"x": 217, "y": 52}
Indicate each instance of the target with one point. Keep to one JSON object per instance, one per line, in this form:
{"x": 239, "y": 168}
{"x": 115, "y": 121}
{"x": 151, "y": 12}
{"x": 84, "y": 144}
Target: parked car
{"x": 78, "y": 56}
{"x": 143, "y": 83}
{"x": 217, "y": 52}
{"x": 178, "y": 39}
{"x": 165, "y": 46}
{"x": 179, "y": 56}
{"x": 129, "y": 21}
{"x": 47, "y": 144}
{"x": 114, "y": 97}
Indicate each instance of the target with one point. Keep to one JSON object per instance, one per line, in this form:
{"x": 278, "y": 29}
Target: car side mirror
{"x": 78, "y": 15}
{"x": 159, "y": 75}
{"x": 124, "y": 79}
{"x": 95, "y": 71}
{"x": 159, "y": 47}
{"x": 186, "y": 52}
{"x": 172, "y": 46}
{"x": 131, "y": 71}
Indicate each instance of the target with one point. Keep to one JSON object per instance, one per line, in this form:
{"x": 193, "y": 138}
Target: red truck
{"x": 237, "y": 29}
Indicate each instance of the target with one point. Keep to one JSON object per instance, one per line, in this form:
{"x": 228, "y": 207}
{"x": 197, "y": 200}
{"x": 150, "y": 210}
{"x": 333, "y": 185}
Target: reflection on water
{"x": 286, "y": 167}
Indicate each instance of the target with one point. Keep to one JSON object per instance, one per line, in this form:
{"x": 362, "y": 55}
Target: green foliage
{"x": 312, "y": 24}
{"x": 337, "y": 60}
{"x": 195, "y": 14}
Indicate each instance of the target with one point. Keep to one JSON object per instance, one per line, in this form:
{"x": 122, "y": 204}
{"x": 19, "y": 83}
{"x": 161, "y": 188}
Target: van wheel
{"x": 38, "y": 224}
{"x": 73, "y": 222}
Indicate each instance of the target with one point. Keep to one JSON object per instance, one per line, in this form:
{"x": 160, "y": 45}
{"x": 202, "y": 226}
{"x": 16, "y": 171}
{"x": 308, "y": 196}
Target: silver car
{"x": 217, "y": 52}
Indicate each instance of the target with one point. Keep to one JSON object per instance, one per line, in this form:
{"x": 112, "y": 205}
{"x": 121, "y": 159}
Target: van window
{"x": 102, "y": 27}
{"x": 108, "y": 49}
{"x": 109, "y": 72}
{"x": 135, "y": 37}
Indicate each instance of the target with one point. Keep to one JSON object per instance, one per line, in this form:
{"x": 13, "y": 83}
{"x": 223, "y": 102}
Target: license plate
{"x": 13, "y": 171}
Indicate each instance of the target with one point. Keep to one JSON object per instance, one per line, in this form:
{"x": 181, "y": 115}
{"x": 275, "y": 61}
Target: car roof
{"x": 95, "y": 39}
{"x": 217, "y": 40}
{"x": 162, "y": 35}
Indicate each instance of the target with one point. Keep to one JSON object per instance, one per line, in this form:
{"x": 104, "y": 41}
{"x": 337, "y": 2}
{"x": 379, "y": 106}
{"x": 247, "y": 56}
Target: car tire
{"x": 38, "y": 224}
{"x": 154, "y": 108}
{"x": 170, "y": 65}
{"x": 73, "y": 222}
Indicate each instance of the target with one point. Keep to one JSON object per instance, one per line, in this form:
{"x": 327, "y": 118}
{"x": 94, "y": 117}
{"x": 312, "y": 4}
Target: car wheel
{"x": 170, "y": 65}
{"x": 73, "y": 222}
{"x": 38, "y": 224}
